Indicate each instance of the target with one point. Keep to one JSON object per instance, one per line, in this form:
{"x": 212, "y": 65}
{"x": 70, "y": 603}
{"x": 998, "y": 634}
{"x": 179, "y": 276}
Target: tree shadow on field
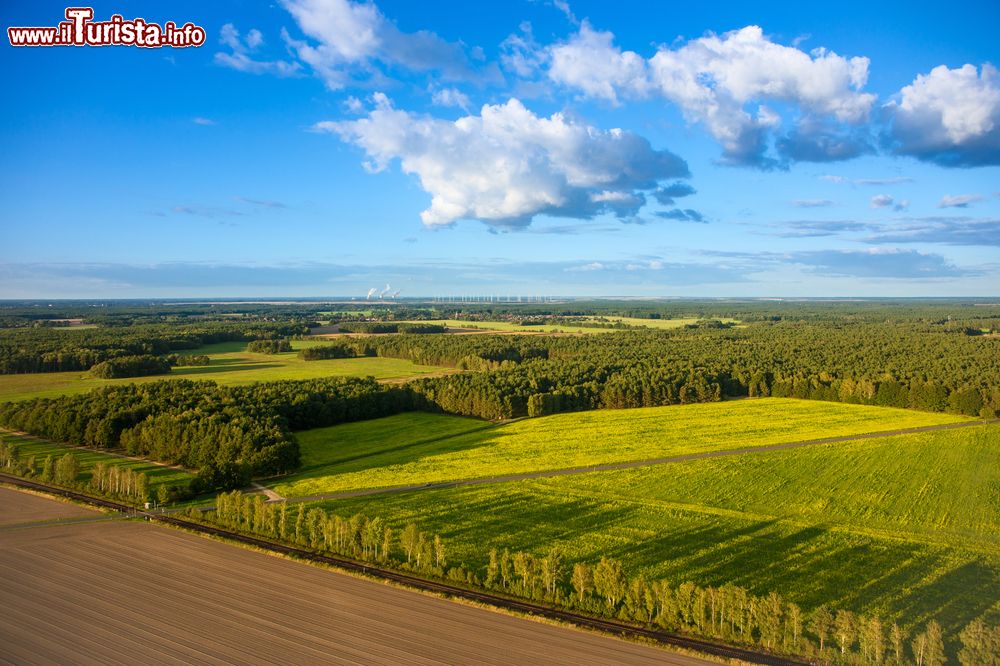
{"x": 954, "y": 599}
{"x": 674, "y": 544}
{"x": 401, "y": 454}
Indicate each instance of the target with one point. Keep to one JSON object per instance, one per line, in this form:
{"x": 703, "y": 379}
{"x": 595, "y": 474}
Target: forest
{"x": 915, "y": 356}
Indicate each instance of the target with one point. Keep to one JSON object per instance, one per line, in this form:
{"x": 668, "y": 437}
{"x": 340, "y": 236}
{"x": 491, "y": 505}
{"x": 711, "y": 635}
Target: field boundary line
{"x": 632, "y": 464}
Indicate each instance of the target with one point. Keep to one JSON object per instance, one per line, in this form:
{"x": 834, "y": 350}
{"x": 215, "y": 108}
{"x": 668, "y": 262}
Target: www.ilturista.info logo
{"x": 79, "y": 29}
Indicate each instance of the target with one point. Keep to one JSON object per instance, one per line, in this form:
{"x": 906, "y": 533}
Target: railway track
{"x": 526, "y": 607}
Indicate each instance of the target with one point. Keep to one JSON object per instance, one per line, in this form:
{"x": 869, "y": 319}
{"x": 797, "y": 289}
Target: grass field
{"x": 433, "y": 453}
{"x": 659, "y": 323}
{"x": 230, "y": 364}
{"x": 509, "y": 327}
{"x": 158, "y": 474}
{"x": 907, "y": 526}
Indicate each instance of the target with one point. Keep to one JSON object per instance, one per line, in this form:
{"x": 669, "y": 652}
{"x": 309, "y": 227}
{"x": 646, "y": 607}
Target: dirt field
{"x": 130, "y": 592}
{"x": 18, "y": 507}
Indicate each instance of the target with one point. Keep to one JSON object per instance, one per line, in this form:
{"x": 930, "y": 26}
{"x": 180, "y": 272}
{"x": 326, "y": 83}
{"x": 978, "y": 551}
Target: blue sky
{"x": 321, "y": 147}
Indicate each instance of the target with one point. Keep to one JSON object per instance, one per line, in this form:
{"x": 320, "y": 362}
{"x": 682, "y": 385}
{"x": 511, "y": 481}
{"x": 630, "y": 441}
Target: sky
{"x": 524, "y": 147}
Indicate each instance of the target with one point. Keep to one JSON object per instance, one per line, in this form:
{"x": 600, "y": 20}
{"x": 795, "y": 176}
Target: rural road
{"x": 133, "y": 592}
{"x": 570, "y": 471}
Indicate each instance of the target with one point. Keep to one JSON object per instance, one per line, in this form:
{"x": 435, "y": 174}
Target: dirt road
{"x": 132, "y": 592}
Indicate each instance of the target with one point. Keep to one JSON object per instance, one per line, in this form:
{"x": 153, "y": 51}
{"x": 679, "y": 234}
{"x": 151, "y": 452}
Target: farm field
{"x": 230, "y": 364}
{"x": 39, "y": 448}
{"x": 660, "y": 323}
{"x": 132, "y": 592}
{"x": 509, "y": 327}
{"x": 576, "y": 440}
{"x": 907, "y": 526}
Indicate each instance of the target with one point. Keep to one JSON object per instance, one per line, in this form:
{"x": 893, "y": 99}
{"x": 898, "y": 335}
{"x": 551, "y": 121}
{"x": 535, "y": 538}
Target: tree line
{"x": 603, "y": 588}
{"x": 269, "y": 346}
{"x": 27, "y": 350}
{"x": 227, "y": 434}
{"x": 372, "y": 327}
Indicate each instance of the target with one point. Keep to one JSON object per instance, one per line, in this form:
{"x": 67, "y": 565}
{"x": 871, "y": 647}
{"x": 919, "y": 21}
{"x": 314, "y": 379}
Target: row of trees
{"x": 729, "y": 612}
{"x": 106, "y": 479}
{"x": 121, "y": 482}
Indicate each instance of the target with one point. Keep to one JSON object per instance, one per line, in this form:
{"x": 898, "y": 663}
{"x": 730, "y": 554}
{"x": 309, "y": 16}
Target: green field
{"x": 572, "y": 440}
{"x": 158, "y": 474}
{"x": 907, "y": 526}
{"x": 230, "y": 364}
{"x": 510, "y": 327}
{"x": 660, "y": 323}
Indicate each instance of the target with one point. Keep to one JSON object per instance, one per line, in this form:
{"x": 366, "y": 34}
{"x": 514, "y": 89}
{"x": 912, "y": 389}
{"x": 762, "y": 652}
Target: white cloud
{"x": 959, "y": 200}
{"x": 725, "y": 82}
{"x": 520, "y": 54}
{"x": 892, "y": 180}
{"x": 241, "y": 49}
{"x": 715, "y": 78}
{"x": 881, "y": 201}
{"x": 586, "y": 268}
{"x": 812, "y": 203}
{"x": 506, "y": 165}
{"x": 590, "y": 62}
{"x": 950, "y": 116}
{"x": 198, "y": 120}
{"x": 450, "y": 97}
{"x": 347, "y": 39}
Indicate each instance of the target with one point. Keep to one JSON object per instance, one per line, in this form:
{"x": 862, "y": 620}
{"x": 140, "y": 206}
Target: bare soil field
{"x": 17, "y": 507}
{"x": 130, "y": 592}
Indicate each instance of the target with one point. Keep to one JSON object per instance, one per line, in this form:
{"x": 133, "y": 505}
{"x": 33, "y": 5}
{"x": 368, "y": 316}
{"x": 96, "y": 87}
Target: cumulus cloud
{"x": 881, "y": 201}
{"x": 591, "y": 63}
{"x": 958, "y": 200}
{"x": 726, "y": 82}
{"x": 241, "y": 54}
{"x": 717, "y": 80}
{"x": 348, "y": 40}
{"x": 949, "y": 116}
{"x": 507, "y": 165}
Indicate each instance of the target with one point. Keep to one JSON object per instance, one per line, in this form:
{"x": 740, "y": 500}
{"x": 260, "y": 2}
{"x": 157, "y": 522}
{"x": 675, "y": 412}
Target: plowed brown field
{"x": 130, "y": 592}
